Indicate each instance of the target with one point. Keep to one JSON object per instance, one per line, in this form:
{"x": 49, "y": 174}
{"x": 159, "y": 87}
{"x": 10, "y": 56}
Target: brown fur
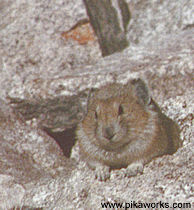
{"x": 124, "y": 127}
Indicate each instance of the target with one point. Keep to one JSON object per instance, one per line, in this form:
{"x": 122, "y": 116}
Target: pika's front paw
{"x": 102, "y": 173}
{"x": 134, "y": 169}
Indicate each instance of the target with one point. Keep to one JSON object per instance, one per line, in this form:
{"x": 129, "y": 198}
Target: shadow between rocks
{"x": 65, "y": 139}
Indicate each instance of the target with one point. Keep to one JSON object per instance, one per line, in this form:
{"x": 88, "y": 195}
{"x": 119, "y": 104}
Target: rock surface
{"x": 44, "y": 83}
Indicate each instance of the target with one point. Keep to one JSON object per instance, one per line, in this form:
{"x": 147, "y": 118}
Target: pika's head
{"x": 117, "y": 114}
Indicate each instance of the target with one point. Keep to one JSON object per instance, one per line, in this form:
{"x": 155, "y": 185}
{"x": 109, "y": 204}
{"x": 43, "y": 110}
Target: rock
{"x": 29, "y": 159}
{"x": 62, "y": 102}
{"x": 44, "y": 84}
{"x": 152, "y": 20}
{"x": 11, "y": 192}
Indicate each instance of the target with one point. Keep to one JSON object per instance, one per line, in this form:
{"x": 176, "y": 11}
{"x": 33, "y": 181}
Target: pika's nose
{"x": 109, "y": 133}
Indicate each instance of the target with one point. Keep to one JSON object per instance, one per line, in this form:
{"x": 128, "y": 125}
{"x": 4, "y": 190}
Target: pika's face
{"x": 118, "y": 115}
{"x": 114, "y": 122}
{"x": 110, "y": 126}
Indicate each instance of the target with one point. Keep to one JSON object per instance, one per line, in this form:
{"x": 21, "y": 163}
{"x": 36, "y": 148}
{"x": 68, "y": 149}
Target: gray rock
{"x": 11, "y": 194}
{"x": 61, "y": 103}
{"x": 29, "y": 161}
{"x": 152, "y": 20}
{"x": 44, "y": 83}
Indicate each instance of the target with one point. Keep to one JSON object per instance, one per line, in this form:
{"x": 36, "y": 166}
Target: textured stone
{"x": 28, "y": 158}
{"x": 62, "y": 102}
{"x": 44, "y": 83}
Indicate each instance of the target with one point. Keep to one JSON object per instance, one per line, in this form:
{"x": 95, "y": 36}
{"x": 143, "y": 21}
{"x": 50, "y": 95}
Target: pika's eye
{"x": 120, "y": 111}
{"x": 150, "y": 102}
{"x": 96, "y": 115}
{"x": 97, "y": 112}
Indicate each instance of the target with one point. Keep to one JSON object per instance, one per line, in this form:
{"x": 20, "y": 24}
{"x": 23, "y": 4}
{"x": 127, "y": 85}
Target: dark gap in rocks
{"x": 65, "y": 139}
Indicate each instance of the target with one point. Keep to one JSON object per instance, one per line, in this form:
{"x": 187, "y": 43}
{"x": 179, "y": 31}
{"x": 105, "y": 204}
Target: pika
{"x": 124, "y": 128}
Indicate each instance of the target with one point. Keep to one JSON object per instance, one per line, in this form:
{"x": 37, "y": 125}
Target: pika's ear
{"x": 141, "y": 91}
